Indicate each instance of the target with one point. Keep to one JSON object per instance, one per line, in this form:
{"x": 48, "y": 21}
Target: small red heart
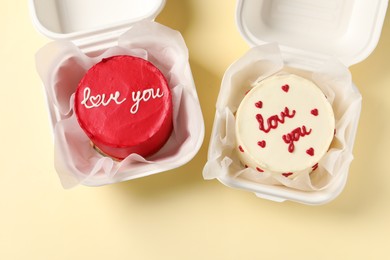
{"x": 310, "y": 151}
{"x": 240, "y": 148}
{"x": 259, "y": 104}
{"x": 261, "y": 143}
{"x": 287, "y": 174}
{"x": 314, "y": 112}
{"x": 285, "y": 88}
{"x": 259, "y": 170}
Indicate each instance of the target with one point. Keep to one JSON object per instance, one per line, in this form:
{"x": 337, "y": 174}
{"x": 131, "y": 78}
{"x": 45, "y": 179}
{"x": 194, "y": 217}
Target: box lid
{"x": 314, "y": 30}
{"x": 90, "y": 24}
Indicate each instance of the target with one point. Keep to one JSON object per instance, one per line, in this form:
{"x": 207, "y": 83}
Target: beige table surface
{"x": 177, "y": 214}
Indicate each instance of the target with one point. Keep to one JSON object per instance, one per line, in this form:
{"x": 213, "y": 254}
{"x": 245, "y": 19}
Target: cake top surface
{"x": 122, "y": 101}
{"x": 284, "y": 124}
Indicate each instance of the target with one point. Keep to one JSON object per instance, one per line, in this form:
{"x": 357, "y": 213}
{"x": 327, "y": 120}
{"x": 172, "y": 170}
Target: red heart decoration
{"x": 261, "y": 143}
{"x": 259, "y": 104}
{"x": 259, "y": 170}
{"x": 287, "y": 174}
{"x": 314, "y": 112}
{"x": 310, "y": 151}
{"x": 285, "y": 88}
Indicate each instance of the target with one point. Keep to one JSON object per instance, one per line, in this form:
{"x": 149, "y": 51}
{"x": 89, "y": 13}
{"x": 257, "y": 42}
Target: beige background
{"x": 176, "y": 214}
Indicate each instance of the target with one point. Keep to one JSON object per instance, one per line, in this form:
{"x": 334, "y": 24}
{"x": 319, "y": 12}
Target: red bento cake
{"x": 124, "y": 105}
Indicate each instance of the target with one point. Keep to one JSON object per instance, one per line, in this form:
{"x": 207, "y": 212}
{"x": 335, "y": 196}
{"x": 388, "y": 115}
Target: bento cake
{"x": 124, "y": 105}
{"x": 284, "y": 125}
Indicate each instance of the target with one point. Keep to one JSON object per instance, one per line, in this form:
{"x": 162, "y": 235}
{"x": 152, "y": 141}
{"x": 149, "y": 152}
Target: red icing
{"x": 259, "y": 104}
{"x": 314, "y": 167}
{"x": 310, "y": 151}
{"x": 124, "y": 105}
{"x": 285, "y": 88}
{"x": 273, "y": 121}
{"x": 262, "y": 143}
{"x": 259, "y": 170}
{"x": 294, "y": 136}
{"x": 240, "y": 148}
{"x": 287, "y": 174}
{"x": 314, "y": 112}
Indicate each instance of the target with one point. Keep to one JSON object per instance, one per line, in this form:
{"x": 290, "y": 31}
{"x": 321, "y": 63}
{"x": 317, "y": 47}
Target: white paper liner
{"x": 61, "y": 65}
{"x": 333, "y": 78}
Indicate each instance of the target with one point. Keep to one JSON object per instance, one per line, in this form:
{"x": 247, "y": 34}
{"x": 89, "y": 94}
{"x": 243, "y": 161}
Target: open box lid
{"x": 314, "y": 30}
{"x": 90, "y": 24}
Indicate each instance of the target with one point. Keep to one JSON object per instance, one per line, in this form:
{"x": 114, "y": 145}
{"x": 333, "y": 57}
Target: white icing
{"x": 98, "y": 100}
{"x": 284, "y": 125}
{"x": 93, "y": 101}
{"x": 146, "y": 95}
